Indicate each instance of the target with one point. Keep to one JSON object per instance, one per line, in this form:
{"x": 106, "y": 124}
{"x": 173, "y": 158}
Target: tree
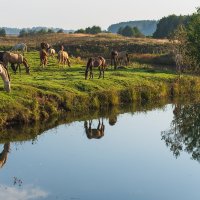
{"x": 167, "y": 25}
{"x": 2, "y": 32}
{"x": 137, "y": 33}
{"x": 93, "y": 30}
{"x": 60, "y": 31}
{"x": 193, "y": 38}
{"x": 50, "y": 30}
{"x": 127, "y": 31}
{"x": 23, "y": 33}
{"x": 80, "y": 31}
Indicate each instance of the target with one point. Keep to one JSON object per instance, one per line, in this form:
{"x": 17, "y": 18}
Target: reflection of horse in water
{"x": 4, "y": 154}
{"x": 96, "y": 133}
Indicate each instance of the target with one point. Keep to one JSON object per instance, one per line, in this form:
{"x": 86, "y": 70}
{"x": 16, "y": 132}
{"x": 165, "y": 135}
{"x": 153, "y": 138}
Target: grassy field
{"x": 47, "y": 92}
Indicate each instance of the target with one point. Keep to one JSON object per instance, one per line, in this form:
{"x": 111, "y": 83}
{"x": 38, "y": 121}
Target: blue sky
{"x": 76, "y": 14}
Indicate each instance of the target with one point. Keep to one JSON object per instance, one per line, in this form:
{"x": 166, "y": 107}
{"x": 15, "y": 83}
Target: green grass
{"x": 47, "y": 92}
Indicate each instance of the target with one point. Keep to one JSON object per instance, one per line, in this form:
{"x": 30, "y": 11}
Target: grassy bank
{"x": 47, "y": 92}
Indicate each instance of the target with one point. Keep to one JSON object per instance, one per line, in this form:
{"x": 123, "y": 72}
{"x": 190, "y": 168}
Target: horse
{"x": 63, "y": 58}
{"x": 51, "y": 52}
{"x": 4, "y": 154}
{"x": 22, "y": 47}
{"x": 113, "y": 58}
{"x": 45, "y": 46}
{"x": 99, "y": 62}
{"x": 95, "y": 133}
{"x": 43, "y": 57}
{"x": 13, "y": 59}
{"x": 123, "y": 58}
{"x": 5, "y": 77}
{"x": 119, "y": 58}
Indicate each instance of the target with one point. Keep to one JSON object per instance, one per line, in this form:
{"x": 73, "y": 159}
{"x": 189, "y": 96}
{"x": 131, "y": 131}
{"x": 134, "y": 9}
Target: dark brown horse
{"x": 99, "y": 62}
{"x": 95, "y": 133}
{"x": 119, "y": 58}
{"x": 113, "y": 58}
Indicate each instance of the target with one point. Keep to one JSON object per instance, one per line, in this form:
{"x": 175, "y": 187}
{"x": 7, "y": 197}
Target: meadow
{"x": 55, "y": 89}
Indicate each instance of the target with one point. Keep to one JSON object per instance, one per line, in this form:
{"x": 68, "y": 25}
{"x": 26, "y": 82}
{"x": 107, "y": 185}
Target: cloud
{"x": 26, "y": 193}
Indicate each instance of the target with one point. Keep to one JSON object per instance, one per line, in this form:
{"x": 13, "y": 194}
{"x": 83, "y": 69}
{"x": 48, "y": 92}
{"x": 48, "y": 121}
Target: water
{"x": 140, "y": 155}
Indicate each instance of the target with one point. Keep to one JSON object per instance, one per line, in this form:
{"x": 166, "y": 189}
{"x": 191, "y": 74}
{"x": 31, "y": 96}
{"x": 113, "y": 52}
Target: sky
{"x": 75, "y": 14}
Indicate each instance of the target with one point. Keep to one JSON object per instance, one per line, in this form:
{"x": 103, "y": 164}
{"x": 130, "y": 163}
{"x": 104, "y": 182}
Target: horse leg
{"x": 18, "y": 65}
{"x": 68, "y": 62}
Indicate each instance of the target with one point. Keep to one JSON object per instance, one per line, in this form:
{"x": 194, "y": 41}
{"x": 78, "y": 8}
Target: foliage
{"x": 147, "y": 27}
{"x": 2, "y": 32}
{"x": 130, "y": 32}
{"x": 60, "y": 31}
{"x": 167, "y": 25}
{"x": 80, "y": 31}
{"x": 186, "y": 42}
{"x": 90, "y": 30}
{"x": 184, "y": 134}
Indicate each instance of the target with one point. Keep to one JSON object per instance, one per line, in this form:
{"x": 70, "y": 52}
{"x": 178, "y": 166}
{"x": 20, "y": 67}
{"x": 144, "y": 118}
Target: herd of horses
{"x": 15, "y": 57}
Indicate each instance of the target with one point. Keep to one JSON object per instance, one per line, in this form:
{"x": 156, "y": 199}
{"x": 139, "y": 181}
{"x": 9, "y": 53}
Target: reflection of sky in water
{"x": 129, "y": 162}
{"x": 27, "y": 193}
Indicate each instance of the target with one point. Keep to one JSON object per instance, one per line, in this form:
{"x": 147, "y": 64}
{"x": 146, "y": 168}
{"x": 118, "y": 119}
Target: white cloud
{"x": 25, "y": 193}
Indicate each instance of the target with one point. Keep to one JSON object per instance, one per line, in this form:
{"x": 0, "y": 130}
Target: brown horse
{"x": 119, "y": 58}
{"x": 13, "y": 59}
{"x": 95, "y": 133}
{"x": 43, "y": 57}
{"x": 99, "y": 62}
{"x": 113, "y": 58}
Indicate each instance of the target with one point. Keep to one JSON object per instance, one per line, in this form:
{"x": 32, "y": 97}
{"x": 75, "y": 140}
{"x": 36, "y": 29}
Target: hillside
{"x": 147, "y": 27}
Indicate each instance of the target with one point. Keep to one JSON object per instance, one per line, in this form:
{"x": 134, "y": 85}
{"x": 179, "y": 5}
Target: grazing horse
{"x": 99, "y": 62}
{"x": 43, "y": 57}
{"x": 63, "y": 58}
{"x": 13, "y": 59}
{"x": 95, "y": 133}
{"x": 22, "y": 47}
{"x": 5, "y": 77}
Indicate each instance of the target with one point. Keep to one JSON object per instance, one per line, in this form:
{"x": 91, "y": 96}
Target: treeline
{"x": 188, "y": 45}
{"x": 167, "y": 25}
{"x": 146, "y": 27}
{"x": 128, "y": 31}
{"x": 31, "y": 32}
{"x": 90, "y": 30}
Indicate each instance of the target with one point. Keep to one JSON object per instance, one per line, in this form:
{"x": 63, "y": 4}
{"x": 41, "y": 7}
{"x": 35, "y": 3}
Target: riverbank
{"x": 56, "y": 89}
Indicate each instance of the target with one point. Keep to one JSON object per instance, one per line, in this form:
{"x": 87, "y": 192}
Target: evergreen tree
{"x": 2, "y": 32}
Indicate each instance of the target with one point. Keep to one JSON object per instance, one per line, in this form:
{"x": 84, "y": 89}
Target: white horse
{"x": 51, "y": 52}
{"x": 5, "y": 77}
{"x": 22, "y": 47}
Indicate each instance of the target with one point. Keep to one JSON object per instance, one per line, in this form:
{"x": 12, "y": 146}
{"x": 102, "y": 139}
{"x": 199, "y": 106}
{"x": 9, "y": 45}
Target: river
{"x": 144, "y": 155}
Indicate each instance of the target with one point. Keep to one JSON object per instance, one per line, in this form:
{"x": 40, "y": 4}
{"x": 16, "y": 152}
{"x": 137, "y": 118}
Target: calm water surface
{"x": 149, "y": 155}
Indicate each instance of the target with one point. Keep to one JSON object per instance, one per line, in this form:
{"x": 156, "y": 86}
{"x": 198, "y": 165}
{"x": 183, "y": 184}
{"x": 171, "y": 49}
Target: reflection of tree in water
{"x": 184, "y": 133}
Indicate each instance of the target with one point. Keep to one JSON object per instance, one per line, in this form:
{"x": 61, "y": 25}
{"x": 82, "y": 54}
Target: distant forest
{"x": 16, "y": 31}
{"x": 146, "y": 27}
